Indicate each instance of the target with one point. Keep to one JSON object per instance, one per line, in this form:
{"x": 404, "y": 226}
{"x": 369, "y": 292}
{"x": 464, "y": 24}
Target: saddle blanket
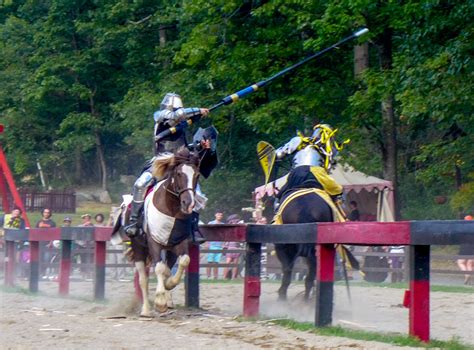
{"x": 277, "y": 220}
{"x": 164, "y": 229}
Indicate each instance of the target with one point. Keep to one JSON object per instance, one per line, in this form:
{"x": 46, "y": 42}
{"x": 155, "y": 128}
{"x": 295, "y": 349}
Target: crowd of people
{"x": 228, "y": 253}
{"x": 49, "y": 250}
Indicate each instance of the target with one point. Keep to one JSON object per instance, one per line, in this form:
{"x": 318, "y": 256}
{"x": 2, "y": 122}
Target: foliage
{"x": 81, "y": 79}
{"x": 463, "y": 200}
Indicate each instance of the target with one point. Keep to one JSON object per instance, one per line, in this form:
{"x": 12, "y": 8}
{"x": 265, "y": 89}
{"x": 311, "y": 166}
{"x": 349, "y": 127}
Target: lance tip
{"x": 361, "y": 32}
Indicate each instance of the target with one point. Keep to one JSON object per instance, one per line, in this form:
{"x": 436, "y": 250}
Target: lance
{"x": 254, "y": 87}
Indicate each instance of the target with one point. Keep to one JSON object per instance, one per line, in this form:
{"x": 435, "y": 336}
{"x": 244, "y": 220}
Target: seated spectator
{"x": 354, "y": 214}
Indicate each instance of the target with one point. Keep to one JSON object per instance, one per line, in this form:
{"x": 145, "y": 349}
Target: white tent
{"x": 374, "y": 196}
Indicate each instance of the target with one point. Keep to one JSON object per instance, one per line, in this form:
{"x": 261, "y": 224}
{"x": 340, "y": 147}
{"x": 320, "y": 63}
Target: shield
{"x": 210, "y": 133}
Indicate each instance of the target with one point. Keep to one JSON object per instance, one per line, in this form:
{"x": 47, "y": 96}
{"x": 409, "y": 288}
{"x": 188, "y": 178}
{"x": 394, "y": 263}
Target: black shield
{"x": 210, "y": 133}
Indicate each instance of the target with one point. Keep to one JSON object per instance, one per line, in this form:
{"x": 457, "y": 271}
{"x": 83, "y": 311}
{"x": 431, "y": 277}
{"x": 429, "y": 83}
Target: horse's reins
{"x": 179, "y": 192}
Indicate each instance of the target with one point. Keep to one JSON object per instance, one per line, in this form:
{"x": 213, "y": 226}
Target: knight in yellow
{"x": 312, "y": 160}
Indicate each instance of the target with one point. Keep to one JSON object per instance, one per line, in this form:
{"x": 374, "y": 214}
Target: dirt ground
{"x": 47, "y": 321}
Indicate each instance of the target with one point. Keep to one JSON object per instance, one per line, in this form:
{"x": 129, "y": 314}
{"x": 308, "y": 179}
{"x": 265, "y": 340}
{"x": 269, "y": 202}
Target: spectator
{"x": 267, "y": 247}
{"x": 99, "y": 219}
{"x": 354, "y": 214}
{"x": 13, "y": 220}
{"x": 466, "y": 264}
{"x": 232, "y": 257}
{"x": 215, "y": 258}
{"x": 67, "y": 221}
{"x": 46, "y": 221}
{"x": 46, "y": 248}
{"x": 86, "y": 220}
{"x": 86, "y": 255}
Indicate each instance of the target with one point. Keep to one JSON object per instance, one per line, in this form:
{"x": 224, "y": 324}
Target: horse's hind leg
{"x": 287, "y": 260}
{"x": 143, "y": 280}
{"x": 309, "y": 280}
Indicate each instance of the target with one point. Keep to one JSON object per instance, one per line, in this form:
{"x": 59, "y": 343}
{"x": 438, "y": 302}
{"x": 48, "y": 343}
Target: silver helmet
{"x": 171, "y": 101}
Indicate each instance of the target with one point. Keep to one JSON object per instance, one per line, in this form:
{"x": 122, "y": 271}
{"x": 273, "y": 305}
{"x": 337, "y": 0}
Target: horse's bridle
{"x": 178, "y": 193}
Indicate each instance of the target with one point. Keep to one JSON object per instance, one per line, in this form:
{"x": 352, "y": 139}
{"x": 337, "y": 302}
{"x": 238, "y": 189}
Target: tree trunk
{"x": 389, "y": 130}
{"x": 361, "y": 58}
{"x": 78, "y": 166}
{"x": 103, "y": 166}
{"x": 162, "y": 34}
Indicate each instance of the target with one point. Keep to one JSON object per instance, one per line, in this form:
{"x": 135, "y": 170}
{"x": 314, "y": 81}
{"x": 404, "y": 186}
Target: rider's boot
{"x": 196, "y": 234}
{"x": 133, "y": 229}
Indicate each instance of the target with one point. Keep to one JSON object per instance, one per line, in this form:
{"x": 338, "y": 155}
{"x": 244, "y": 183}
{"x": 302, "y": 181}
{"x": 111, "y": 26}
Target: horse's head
{"x": 183, "y": 173}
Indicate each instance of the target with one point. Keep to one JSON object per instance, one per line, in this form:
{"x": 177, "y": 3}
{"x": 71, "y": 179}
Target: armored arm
{"x": 172, "y": 118}
{"x": 288, "y": 148}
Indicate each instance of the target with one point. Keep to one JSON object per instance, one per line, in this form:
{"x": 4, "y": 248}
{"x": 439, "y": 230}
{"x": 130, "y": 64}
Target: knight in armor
{"x": 170, "y": 114}
{"x": 312, "y": 160}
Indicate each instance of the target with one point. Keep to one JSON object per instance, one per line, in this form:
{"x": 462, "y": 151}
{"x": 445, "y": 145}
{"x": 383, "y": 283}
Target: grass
{"x": 391, "y": 338}
{"x": 401, "y": 285}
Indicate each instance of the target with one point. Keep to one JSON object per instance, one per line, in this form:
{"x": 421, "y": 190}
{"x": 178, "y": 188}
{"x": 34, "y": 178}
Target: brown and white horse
{"x": 167, "y": 225}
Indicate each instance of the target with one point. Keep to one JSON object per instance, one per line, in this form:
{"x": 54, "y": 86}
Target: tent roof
{"x": 357, "y": 181}
{"x": 348, "y": 177}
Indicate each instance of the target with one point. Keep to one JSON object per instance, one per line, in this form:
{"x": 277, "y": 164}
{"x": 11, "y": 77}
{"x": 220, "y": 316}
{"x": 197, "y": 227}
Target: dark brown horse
{"x": 167, "y": 225}
{"x": 303, "y": 209}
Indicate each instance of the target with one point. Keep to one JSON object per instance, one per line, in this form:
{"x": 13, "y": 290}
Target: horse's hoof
{"x": 184, "y": 261}
{"x": 161, "y": 308}
{"x": 146, "y": 314}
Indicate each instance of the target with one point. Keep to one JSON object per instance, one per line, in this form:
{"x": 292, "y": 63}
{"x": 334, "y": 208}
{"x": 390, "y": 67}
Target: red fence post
{"x": 65, "y": 267}
{"x": 10, "y": 263}
{"x": 252, "y": 280}
{"x": 192, "y": 277}
{"x": 419, "y": 324}
{"x": 325, "y": 284}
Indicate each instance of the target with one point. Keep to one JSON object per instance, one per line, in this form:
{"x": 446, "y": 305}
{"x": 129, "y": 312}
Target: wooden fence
{"x": 59, "y": 201}
{"x": 271, "y": 268}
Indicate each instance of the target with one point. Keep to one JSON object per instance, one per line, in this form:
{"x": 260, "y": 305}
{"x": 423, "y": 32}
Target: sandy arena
{"x": 47, "y": 321}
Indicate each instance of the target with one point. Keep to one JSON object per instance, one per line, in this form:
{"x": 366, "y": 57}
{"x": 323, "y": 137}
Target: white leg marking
{"x": 143, "y": 281}
{"x": 162, "y": 273}
{"x": 173, "y": 281}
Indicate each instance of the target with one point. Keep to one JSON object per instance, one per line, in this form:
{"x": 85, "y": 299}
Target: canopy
{"x": 374, "y": 196}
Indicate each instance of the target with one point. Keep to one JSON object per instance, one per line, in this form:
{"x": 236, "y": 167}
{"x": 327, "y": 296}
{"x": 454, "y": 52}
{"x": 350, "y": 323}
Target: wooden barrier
{"x": 419, "y": 235}
{"x": 66, "y": 235}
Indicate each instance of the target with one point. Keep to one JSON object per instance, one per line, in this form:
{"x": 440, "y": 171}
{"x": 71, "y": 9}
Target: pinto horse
{"x": 306, "y": 208}
{"x": 167, "y": 225}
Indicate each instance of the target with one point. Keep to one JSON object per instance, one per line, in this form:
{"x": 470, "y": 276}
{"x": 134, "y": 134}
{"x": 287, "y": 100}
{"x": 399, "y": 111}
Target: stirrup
{"x": 132, "y": 229}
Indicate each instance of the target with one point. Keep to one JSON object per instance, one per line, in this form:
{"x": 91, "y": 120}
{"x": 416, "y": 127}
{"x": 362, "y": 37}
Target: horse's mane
{"x": 166, "y": 162}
